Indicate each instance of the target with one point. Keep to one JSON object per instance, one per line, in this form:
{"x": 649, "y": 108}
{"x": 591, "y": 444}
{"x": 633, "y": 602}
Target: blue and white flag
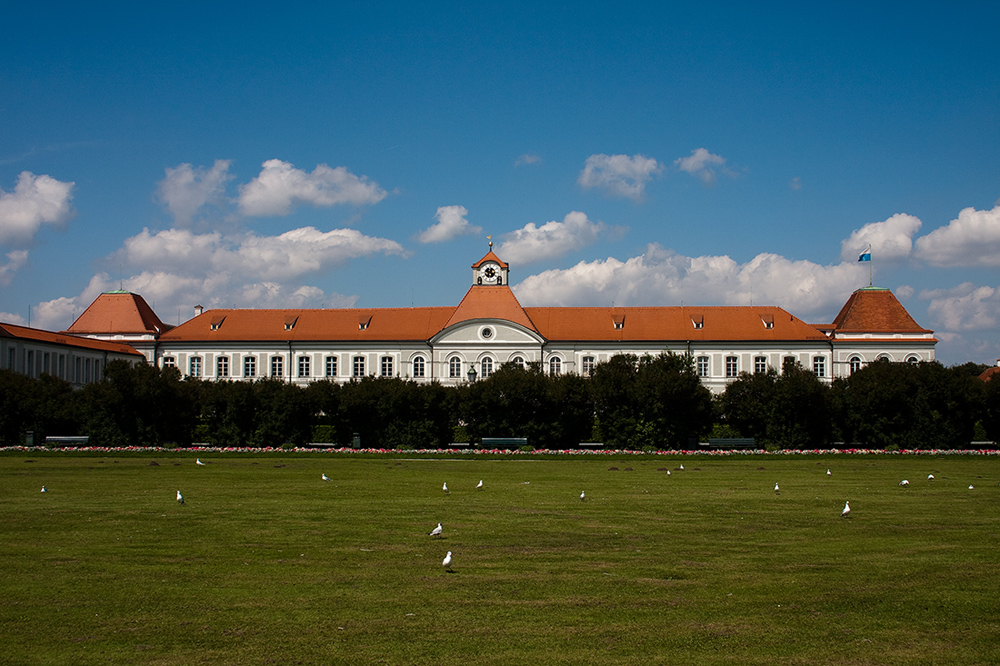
{"x": 866, "y": 255}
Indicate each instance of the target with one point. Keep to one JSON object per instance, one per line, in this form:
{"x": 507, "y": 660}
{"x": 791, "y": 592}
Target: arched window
{"x": 555, "y": 366}
{"x": 913, "y": 359}
{"x": 854, "y": 363}
{"x": 486, "y": 367}
{"x": 454, "y": 367}
{"x": 418, "y": 366}
{"x": 518, "y": 361}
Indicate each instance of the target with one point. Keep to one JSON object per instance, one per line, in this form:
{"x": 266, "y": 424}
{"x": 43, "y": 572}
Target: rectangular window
{"x": 249, "y": 366}
{"x": 77, "y": 373}
{"x": 788, "y": 362}
{"x": 760, "y": 364}
{"x": 304, "y": 366}
{"x": 331, "y": 366}
{"x": 222, "y": 367}
{"x": 31, "y": 364}
{"x": 45, "y": 363}
{"x": 588, "y": 365}
{"x": 169, "y": 362}
{"x": 11, "y": 357}
{"x": 277, "y": 366}
{"x": 418, "y": 366}
{"x": 62, "y": 366}
{"x": 359, "y": 367}
{"x": 195, "y": 367}
{"x": 701, "y": 366}
{"x": 732, "y": 366}
{"x": 819, "y": 366}
{"x": 387, "y": 366}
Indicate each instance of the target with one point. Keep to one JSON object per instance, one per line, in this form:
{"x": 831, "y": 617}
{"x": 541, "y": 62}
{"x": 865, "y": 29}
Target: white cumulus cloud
{"x": 966, "y": 307}
{"x": 703, "y": 165}
{"x": 663, "y": 277}
{"x": 280, "y": 187}
{"x": 619, "y": 175}
{"x": 185, "y": 189}
{"x": 551, "y": 240}
{"x": 36, "y": 200}
{"x": 972, "y": 239}
{"x": 451, "y": 223}
{"x": 16, "y": 260}
{"x": 890, "y": 239}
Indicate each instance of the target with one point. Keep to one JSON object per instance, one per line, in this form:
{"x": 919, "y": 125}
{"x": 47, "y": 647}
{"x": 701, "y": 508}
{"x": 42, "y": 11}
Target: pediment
{"x": 487, "y": 332}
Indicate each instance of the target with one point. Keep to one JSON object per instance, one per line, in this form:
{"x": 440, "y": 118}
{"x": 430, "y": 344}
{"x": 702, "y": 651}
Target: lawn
{"x": 267, "y": 563}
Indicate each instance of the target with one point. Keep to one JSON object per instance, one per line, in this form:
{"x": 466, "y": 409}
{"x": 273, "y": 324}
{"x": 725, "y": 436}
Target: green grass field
{"x": 266, "y": 563}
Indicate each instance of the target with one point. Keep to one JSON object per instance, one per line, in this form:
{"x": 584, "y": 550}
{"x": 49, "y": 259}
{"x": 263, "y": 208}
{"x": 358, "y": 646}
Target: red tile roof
{"x": 491, "y": 257}
{"x": 38, "y": 335}
{"x": 490, "y": 302}
{"x": 990, "y": 373}
{"x": 722, "y": 323}
{"x": 118, "y": 312}
{"x": 874, "y": 310}
{"x": 384, "y": 324}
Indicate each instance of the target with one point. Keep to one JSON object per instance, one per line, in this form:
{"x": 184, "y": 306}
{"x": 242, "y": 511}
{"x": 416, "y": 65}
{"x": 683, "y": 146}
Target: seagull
{"x": 479, "y": 486}
{"x": 436, "y": 531}
{"x": 324, "y": 477}
{"x": 846, "y": 511}
{"x": 44, "y": 489}
{"x": 828, "y": 473}
{"x": 197, "y": 461}
{"x": 904, "y": 482}
{"x": 970, "y": 487}
{"x": 445, "y": 488}
{"x": 930, "y": 477}
{"x": 583, "y": 495}
{"x": 776, "y": 488}
{"x": 668, "y": 472}
{"x": 447, "y": 562}
{"x": 682, "y": 468}
{"x": 180, "y": 498}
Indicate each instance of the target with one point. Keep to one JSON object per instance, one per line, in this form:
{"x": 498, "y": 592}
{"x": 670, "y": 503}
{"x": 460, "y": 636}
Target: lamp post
{"x": 472, "y": 373}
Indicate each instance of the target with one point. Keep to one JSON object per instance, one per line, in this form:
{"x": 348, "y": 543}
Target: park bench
{"x": 67, "y": 440}
{"x": 504, "y": 442}
{"x": 730, "y": 443}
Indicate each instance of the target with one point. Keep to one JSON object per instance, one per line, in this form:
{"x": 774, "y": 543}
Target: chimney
{"x": 198, "y": 310}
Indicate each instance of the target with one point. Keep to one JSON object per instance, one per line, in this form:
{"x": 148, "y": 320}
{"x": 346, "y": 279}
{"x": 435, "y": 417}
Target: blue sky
{"x": 334, "y": 155}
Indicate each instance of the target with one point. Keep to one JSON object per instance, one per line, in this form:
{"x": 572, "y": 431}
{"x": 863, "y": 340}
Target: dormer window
{"x": 364, "y": 321}
{"x": 698, "y": 321}
{"x": 290, "y": 322}
{"x": 768, "y": 320}
{"x": 217, "y": 322}
{"x": 619, "y": 321}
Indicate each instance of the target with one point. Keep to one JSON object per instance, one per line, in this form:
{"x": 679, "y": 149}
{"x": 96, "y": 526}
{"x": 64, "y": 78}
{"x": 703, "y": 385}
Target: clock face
{"x": 490, "y": 274}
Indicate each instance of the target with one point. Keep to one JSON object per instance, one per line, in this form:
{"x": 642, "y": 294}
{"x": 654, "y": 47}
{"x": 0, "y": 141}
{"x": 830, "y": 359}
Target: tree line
{"x": 633, "y": 402}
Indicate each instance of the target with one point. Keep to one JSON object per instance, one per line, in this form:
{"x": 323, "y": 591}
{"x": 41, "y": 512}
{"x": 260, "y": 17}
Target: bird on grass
{"x": 904, "y": 482}
{"x": 668, "y": 472}
{"x": 324, "y": 477}
{"x": 970, "y": 487}
{"x": 44, "y": 489}
{"x": 583, "y": 495}
{"x": 436, "y": 531}
{"x": 180, "y": 498}
{"x": 847, "y": 510}
{"x": 776, "y": 491}
{"x": 682, "y": 468}
{"x": 828, "y": 473}
{"x": 445, "y": 488}
{"x": 446, "y": 563}
{"x": 197, "y": 461}
{"x": 930, "y": 477}
{"x": 479, "y": 486}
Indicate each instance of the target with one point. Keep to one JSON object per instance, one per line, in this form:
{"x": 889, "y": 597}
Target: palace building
{"x": 489, "y": 327}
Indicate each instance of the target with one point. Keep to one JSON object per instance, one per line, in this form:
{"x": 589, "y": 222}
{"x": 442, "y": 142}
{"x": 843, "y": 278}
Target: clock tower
{"x": 490, "y": 271}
